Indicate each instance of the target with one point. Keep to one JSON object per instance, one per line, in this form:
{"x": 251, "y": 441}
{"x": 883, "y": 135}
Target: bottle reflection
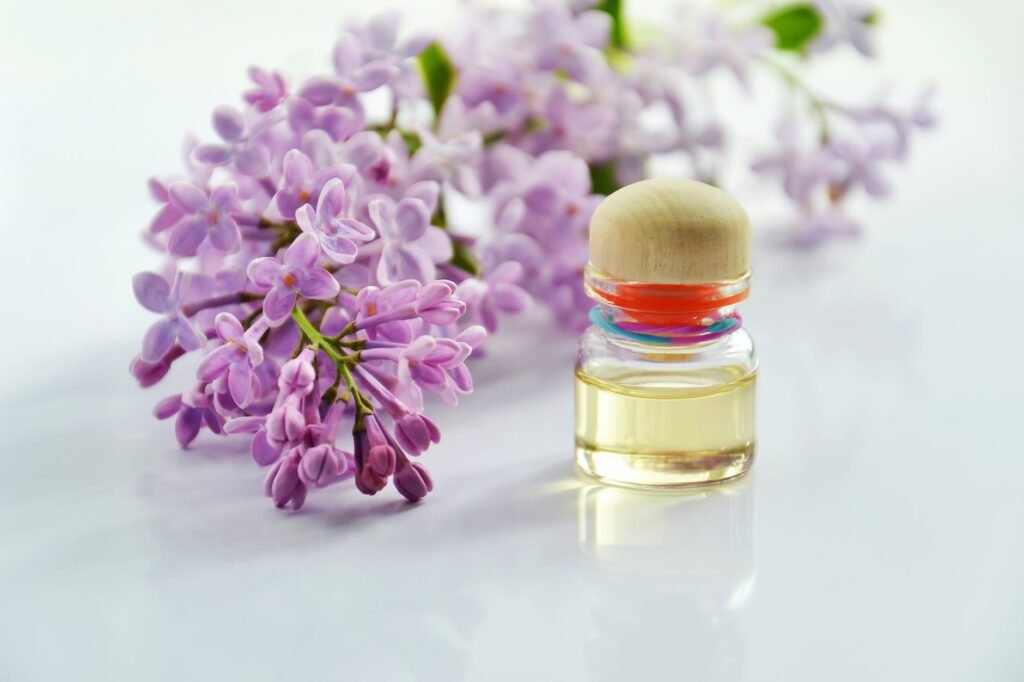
{"x": 676, "y": 570}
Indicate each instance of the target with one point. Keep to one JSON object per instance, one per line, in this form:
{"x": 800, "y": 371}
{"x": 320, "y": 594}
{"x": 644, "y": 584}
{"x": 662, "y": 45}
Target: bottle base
{"x": 668, "y": 470}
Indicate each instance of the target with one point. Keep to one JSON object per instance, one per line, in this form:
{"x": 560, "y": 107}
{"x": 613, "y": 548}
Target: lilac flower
{"x": 846, "y": 21}
{"x": 203, "y": 217}
{"x": 150, "y": 373}
{"x": 283, "y": 484}
{"x": 726, "y": 47}
{"x": 240, "y": 146}
{"x": 322, "y": 465}
{"x": 570, "y": 43}
{"x": 583, "y": 128}
{"x": 860, "y": 162}
{"x": 155, "y": 295}
{"x": 383, "y": 163}
{"x": 411, "y": 244}
{"x": 301, "y": 183}
{"x": 375, "y": 458}
{"x": 295, "y": 274}
{"x": 379, "y": 39}
{"x": 803, "y": 168}
{"x": 169, "y": 214}
{"x": 236, "y": 359}
{"x": 336, "y": 234}
{"x": 452, "y": 159}
{"x": 413, "y": 480}
{"x": 496, "y": 291}
{"x": 338, "y": 122}
{"x": 269, "y": 91}
{"x": 558, "y": 200}
{"x": 496, "y": 82}
{"x": 354, "y": 74}
{"x": 405, "y": 300}
{"x": 415, "y": 432}
{"x": 193, "y": 410}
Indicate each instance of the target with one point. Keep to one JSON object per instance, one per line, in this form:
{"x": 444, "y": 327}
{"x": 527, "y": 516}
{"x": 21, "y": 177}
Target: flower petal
{"x": 263, "y": 453}
{"x": 186, "y": 237}
{"x": 158, "y": 340}
{"x": 354, "y": 229}
{"x": 253, "y": 160}
{"x": 190, "y": 337}
{"x": 304, "y": 252}
{"x": 228, "y": 327}
{"x": 187, "y": 197}
{"x": 152, "y": 292}
{"x": 211, "y": 154}
{"x": 411, "y": 219}
{"x": 509, "y": 272}
{"x": 263, "y": 271}
{"x": 348, "y": 53}
{"x": 168, "y": 407}
{"x": 397, "y": 264}
{"x": 305, "y": 216}
{"x": 215, "y": 363}
{"x": 510, "y": 298}
{"x": 250, "y": 424}
{"x": 297, "y": 167}
{"x": 436, "y": 243}
{"x": 382, "y": 214}
{"x": 332, "y": 199}
{"x": 186, "y": 428}
{"x": 373, "y": 75}
{"x": 228, "y": 123}
{"x": 319, "y": 91}
{"x": 318, "y": 284}
{"x": 224, "y": 235}
{"x": 240, "y": 383}
{"x": 340, "y": 249}
{"x": 278, "y": 304}
{"x": 541, "y": 197}
{"x": 426, "y": 191}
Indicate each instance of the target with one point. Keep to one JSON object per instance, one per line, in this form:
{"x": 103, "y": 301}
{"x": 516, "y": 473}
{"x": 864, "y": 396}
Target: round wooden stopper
{"x": 670, "y": 231}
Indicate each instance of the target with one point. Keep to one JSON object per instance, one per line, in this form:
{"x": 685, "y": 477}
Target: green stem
{"x": 341, "y": 360}
{"x": 817, "y": 105}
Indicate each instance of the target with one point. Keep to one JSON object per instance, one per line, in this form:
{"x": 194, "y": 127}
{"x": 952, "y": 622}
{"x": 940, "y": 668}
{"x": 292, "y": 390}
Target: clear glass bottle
{"x": 665, "y": 384}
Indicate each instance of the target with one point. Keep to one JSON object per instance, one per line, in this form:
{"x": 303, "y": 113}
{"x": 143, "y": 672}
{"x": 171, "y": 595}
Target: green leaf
{"x": 462, "y": 258}
{"x": 794, "y": 26}
{"x": 613, "y": 8}
{"x": 438, "y": 74}
{"x": 603, "y": 179}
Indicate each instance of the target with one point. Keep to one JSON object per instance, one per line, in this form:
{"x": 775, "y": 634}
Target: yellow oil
{"x": 665, "y": 430}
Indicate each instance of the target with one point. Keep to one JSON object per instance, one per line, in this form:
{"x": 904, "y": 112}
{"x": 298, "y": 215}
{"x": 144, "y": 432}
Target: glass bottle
{"x": 665, "y": 375}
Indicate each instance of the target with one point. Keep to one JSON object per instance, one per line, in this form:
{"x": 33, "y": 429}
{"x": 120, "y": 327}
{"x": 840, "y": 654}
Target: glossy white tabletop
{"x": 879, "y": 536}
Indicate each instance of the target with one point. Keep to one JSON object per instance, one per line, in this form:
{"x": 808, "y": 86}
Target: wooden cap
{"x": 671, "y": 231}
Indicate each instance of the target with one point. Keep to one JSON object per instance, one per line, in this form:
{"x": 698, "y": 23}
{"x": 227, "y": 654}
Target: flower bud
{"x": 283, "y": 484}
{"x": 413, "y": 480}
{"x": 320, "y": 466}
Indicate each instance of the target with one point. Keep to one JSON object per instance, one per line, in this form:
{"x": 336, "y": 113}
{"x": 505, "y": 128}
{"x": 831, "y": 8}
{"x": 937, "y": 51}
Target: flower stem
{"x": 219, "y": 301}
{"x": 818, "y": 106}
{"x": 341, "y": 359}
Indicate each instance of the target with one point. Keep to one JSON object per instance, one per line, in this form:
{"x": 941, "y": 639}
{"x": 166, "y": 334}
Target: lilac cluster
{"x": 319, "y": 256}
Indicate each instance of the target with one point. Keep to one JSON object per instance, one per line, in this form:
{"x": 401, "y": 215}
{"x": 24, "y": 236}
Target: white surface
{"x": 878, "y": 538}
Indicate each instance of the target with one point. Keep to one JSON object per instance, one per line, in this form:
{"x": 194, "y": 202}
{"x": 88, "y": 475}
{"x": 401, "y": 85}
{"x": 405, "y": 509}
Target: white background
{"x": 879, "y": 537}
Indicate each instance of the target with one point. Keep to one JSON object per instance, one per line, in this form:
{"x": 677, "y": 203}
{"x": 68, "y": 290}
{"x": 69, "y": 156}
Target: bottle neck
{"x": 676, "y": 314}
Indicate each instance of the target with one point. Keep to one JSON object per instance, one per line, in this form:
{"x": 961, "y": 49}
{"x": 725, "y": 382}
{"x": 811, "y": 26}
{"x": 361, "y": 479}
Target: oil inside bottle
{"x": 646, "y": 428}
